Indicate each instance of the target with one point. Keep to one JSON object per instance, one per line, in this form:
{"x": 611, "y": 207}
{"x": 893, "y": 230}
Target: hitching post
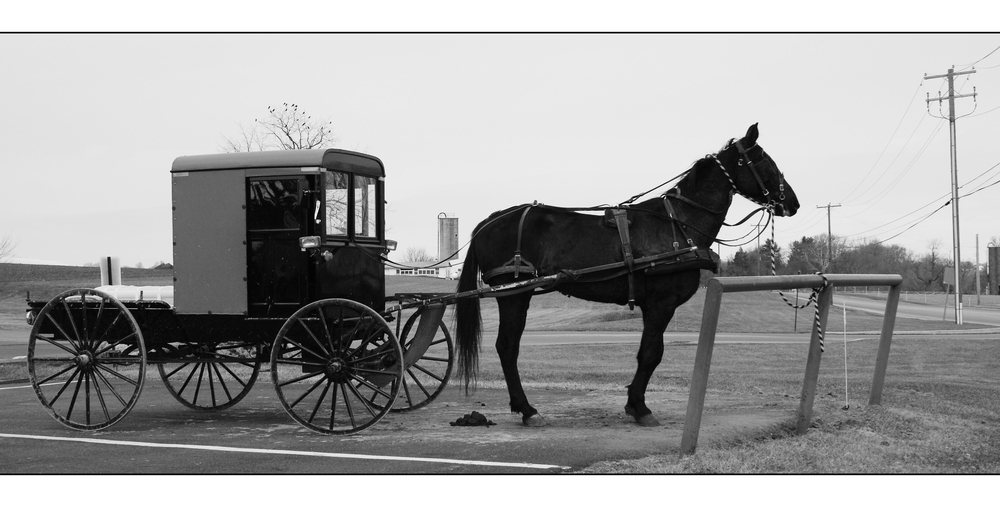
{"x": 702, "y": 362}
{"x": 884, "y": 341}
{"x": 812, "y": 363}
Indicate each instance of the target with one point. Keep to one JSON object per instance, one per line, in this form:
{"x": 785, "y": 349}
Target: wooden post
{"x": 702, "y": 362}
{"x": 812, "y": 363}
{"x": 884, "y": 342}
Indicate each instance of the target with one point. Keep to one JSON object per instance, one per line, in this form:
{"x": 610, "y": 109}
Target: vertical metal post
{"x": 812, "y": 363}
{"x": 702, "y": 363}
{"x": 884, "y": 342}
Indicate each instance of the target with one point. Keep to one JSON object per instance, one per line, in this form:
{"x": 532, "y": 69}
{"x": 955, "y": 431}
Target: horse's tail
{"x": 468, "y": 321}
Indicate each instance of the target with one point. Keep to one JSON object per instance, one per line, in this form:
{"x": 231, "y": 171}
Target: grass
{"x": 940, "y": 411}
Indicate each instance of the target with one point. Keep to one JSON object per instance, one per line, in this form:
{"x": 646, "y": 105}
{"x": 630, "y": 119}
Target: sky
{"x": 468, "y": 124}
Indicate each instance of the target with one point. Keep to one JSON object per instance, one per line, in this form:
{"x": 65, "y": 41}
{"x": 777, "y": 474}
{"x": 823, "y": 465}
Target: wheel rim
{"x": 427, "y": 377}
{"x": 212, "y": 376}
{"x": 86, "y": 359}
{"x": 336, "y": 366}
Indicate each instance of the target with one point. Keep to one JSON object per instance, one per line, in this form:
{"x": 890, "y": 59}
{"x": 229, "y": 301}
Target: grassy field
{"x": 940, "y": 411}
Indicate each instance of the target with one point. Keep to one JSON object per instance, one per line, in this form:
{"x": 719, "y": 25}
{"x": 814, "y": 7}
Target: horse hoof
{"x": 535, "y": 421}
{"x": 647, "y": 420}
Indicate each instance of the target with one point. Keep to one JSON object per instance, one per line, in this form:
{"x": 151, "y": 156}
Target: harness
{"x": 686, "y": 258}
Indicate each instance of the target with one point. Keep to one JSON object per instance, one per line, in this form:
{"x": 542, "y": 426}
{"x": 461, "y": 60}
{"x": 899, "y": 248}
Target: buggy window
{"x": 364, "y": 206}
{"x": 336, "y": 203}
{"x": 274, "y": 204}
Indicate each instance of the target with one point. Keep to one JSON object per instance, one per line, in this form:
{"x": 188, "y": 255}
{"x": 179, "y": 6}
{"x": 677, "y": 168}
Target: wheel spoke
{"x": 197, "y": 384}
{"x": 65, "y": 385}
{"x": 299, "y": 363}
{"x": 111, "y": 388}
{"x": 60, "y": 372}
{"x": 115, "y": 344}
{"x": 190, "y": 376}
{"x": 97, "y": 320}
{"x": 420, "y": 385}
{"x": 311, "y": 389}
{"x": 119, "y": 375}
{"x": 300, "y": 378}
{"x": 61, "y": 331}
{"x": 369, "y": 385}
{"x": 347, "y": 403}
{"x": 319, "y": 402}
{"x": 72, "y": 401}
{"x": 175, "y": 370}
{"x": 435, "y": 359}
{"x": 301, "y": 347}
{"x": 364, "y": 402}
{"x": 406, "y": 391}
{"x": 57, "y": 344}
{"x": 234, "y": 375}
{"x": 100, "y": 397}
{"x": 72, "y": 321}
{"x": 429, "y": 374}
{"x": 326, "y": 353}
{"x": 111, "y": 326}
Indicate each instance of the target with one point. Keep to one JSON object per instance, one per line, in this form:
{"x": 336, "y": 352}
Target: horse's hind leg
{"x": 655, "y": 319}
{"x": 513, "y": 313}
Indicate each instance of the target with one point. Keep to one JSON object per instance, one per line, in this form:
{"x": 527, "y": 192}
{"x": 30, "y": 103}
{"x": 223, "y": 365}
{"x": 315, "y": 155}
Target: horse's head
{"x": 755, "y": 175}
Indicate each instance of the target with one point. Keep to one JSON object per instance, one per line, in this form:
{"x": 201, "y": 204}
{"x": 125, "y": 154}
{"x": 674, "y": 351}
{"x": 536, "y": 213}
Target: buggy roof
{"x": 331, "y": 159}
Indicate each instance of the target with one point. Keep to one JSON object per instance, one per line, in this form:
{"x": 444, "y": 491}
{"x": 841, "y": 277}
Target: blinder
{"x": 745, "y": 157}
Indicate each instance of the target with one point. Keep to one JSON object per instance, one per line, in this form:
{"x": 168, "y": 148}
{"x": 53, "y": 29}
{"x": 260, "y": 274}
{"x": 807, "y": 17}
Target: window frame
{"x": 352, "y": 236}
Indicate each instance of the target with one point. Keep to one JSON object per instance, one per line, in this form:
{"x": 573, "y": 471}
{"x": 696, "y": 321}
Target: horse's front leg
{"x": 655, "y": 319}
{"x": 513, "y": 313}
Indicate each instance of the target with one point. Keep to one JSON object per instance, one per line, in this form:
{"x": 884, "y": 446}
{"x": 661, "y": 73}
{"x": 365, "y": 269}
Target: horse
{"x": 546, "y": 241}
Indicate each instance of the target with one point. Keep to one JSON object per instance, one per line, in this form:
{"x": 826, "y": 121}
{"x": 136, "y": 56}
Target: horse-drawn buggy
{"x": 279, "y": 261}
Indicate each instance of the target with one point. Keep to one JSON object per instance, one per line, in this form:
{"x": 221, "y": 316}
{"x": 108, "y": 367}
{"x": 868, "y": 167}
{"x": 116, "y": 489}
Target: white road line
{"x": 286, "y": 452}
{"x": 27, "y": 386}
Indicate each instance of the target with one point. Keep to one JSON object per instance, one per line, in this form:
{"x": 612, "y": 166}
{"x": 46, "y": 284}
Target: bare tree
{"x": 6, "y": 252}
{"x": 285, "y": 127}
{"x": 415, "y": 254}
{"x": 6, "y": 249}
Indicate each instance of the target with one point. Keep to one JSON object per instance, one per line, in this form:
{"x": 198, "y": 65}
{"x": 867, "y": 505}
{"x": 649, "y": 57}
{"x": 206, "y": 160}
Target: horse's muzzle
{"x": 784, "y": 210}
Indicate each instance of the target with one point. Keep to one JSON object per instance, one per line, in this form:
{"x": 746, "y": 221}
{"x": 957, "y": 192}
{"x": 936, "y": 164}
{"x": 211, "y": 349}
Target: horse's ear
{"x": 752, "y": 133}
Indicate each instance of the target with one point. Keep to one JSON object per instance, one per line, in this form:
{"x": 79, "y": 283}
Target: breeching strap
{"x": 621, "y": 221}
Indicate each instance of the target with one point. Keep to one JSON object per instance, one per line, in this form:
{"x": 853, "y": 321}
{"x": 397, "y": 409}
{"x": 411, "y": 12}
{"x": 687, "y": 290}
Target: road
{"x": 970, "y": 315}
{"x": 14, "y": 342}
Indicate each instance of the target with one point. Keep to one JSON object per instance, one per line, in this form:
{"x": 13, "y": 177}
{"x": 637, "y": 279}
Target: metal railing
{"x": 710, "y": 321}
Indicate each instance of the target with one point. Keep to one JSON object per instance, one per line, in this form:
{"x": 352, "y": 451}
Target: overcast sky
{"x": 470, "y": 124}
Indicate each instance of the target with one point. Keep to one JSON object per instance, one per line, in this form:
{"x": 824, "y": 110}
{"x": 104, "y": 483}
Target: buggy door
{"x": 279, "y": 212}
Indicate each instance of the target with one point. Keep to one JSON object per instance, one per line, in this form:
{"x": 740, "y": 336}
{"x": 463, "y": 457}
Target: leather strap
{"x": 621, "y": 220}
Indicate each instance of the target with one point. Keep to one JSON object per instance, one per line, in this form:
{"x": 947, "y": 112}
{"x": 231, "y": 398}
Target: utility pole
{"x": 956, "y": 253}
{"x": 829, "y": 234}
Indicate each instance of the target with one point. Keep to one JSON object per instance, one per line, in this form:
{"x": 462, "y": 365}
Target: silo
{"x": 994, "y": 270}
{"x": 447, "y": 237}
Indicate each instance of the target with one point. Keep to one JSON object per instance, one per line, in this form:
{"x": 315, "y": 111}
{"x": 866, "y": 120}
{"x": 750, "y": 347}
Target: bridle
{"x": 770, "y": 204}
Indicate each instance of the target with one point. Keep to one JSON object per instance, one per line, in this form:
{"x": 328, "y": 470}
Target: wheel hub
{"x": 336, "y": 368}
{"x": 84, "y": 360}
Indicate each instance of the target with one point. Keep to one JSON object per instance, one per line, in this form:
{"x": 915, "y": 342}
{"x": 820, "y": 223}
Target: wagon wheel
{"x": 428, "y": 375}
{"x": 212, "y": 376}
{"x": 336, "y": 366}
{"x": 86, "y": 359}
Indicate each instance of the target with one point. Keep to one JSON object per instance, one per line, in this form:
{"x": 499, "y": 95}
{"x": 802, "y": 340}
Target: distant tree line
{"x": 808, "y": 255}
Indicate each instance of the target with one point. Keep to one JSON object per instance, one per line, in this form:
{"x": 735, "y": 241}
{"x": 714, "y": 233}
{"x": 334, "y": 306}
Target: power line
{"x": 889, "y": 142}
{"x": 981, "y": 59}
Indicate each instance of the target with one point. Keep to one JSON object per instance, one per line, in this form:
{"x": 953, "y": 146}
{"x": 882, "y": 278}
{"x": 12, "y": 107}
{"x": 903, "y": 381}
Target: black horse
{"x": 545, "y": 241}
